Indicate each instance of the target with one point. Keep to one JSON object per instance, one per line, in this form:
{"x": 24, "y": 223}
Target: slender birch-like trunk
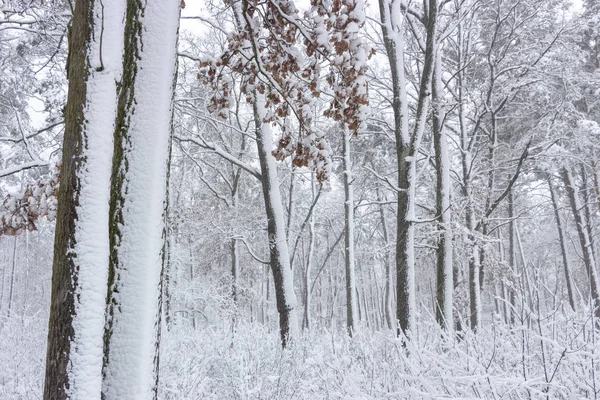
{"x": 466, "y": 165}
{"x": 388, "y": 269}
{"x": 12, "y": 278}
{"x": 80, "y": 266}
{"x": 306, "y": 321}
{"x": 587, "y": 201}
{"x": 138, "y": 200}
{"x": 444, "y": 282}
{"x": 349, "y": 236}
{"x": 512, "y": 257}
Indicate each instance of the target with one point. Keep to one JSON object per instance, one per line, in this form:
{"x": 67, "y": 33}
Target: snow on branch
{"x": 22, "y": 167}
{"x": 220, "y": 152}
{"x": 284, "y": 57}
{"x": 19, "y": 212}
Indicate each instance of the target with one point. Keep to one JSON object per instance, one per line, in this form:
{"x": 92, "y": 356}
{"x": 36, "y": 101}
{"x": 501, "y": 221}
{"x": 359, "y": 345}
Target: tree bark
{"x": 388, "y": 269}
{"x": 407, "y": 147}
{"x": 138, "y": 199}
{"x": 584, "y": 240}
{"x": 444, "y": 283}
{"x": 79, "y": 271}
{"x": 278, "y": 245}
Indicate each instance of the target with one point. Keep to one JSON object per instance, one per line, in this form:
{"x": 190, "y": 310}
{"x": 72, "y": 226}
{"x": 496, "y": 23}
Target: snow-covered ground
{"x": 555, "y": 357}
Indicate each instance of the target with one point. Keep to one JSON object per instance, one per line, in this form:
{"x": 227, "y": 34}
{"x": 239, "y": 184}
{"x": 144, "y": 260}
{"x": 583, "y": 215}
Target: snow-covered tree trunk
{"x": 306, "y": 320}
{"x": 392, "y": 26}
{"x": 407, "y": 148}
{"x": 584, "y": 239}
{"x": 137, "y": 202}
{"x": 587, "y": 211}
{"x": 596, "y": 172}
{"x": 12, "y": 278}
{"x": 444, "y": 282}
{"x": 463, "y": 44}
{"x": 563, "y": 247}
{"x": 512, "y": 257}
{"x": 387, "y": 301}
{"x": 349, "y": 236}
{"x": 80, "y": 267}
{"x": 278, "y": 245}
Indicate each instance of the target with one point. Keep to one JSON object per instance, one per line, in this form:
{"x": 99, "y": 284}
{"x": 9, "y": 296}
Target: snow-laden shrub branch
{"x": 20, "y": 211}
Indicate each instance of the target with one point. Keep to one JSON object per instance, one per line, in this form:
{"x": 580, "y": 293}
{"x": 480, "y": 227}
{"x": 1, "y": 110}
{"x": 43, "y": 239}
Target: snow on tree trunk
{"x": 306, "y": 321}
{"x": 444, "y": 284}
{"x": 278, "y": 245}
{"x": 584, "y": 239}
{"x": 563, "y": 247}
{"x": 137, "y": 202}
{"x": 407, "y": 147}
{"x": 387, "y": 302}
{"x": 392, "y": 28}
{"x": 349, "y": 236}
{"x": 80, "y": 268}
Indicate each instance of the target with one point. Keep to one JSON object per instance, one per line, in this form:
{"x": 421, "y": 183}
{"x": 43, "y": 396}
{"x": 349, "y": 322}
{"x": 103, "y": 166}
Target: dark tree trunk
{"x": 64, "y": 278}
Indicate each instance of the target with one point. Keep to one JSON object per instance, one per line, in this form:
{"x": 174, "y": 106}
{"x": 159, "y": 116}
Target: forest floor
{"x": 553, "y": 358}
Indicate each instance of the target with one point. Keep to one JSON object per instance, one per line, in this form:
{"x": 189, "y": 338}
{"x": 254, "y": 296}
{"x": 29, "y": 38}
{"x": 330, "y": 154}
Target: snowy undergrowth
{"x": 497, "y": 363}
{"x": 22, "y": 356}
{"x": 209, "y": 362}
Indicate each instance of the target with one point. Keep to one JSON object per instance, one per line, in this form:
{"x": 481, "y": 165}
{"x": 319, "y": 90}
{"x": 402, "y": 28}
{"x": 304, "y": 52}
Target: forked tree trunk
{"x": 407, "y": 147}
{"x": 138, "y": 200}
{"x": 80, "y": 266}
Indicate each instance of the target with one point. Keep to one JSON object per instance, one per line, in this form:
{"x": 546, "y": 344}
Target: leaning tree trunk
{"x": 80, "y": 266}
{"x": 137, "y": 201}
{"x": 278, "y": 245}
{"x": 349, "y": 236}
{"x": 584, "y": 239}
